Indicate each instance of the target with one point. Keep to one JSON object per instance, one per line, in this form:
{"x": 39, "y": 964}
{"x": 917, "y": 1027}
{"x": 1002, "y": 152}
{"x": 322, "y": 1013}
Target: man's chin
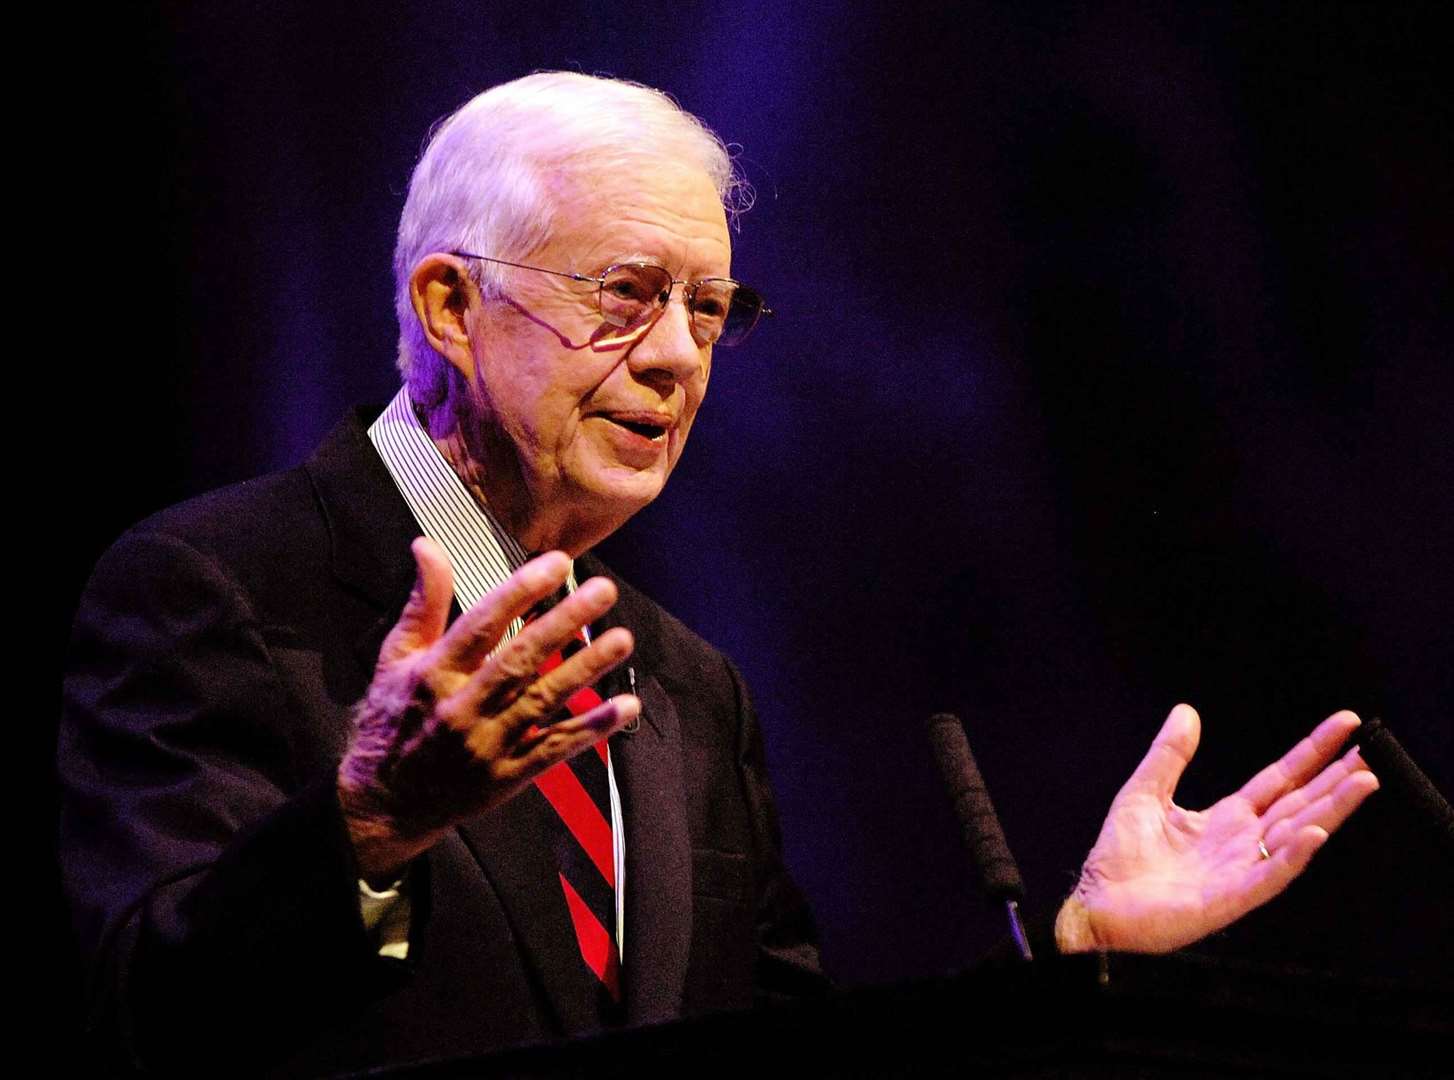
{"x": 626, "y": 494}
{"x": 610, "y": 495}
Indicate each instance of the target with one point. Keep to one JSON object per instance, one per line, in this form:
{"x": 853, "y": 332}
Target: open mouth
{"x": 646, "y": 429}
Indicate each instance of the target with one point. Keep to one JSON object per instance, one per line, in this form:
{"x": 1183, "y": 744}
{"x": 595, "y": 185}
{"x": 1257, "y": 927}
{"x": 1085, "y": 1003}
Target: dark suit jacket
{"x": 216, "y": 656}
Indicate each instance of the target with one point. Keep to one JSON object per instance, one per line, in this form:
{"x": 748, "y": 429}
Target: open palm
{"x": 1160, "y": 876}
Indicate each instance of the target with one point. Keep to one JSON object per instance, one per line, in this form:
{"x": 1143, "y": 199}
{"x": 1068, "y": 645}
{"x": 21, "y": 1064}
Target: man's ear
{"x": 442, "y": 295}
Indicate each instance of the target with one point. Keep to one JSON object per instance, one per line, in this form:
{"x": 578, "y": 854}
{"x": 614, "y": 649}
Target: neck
{"x": 486, "y": 464}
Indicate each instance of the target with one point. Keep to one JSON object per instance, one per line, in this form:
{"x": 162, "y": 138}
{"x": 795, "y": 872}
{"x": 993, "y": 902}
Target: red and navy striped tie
{"x": 579, "y": 790}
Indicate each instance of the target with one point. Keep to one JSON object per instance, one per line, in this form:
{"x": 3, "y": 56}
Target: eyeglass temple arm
{"x": 524, "y": 266}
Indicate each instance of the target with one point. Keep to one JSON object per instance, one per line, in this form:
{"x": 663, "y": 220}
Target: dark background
{"x": 1111, "y": 369}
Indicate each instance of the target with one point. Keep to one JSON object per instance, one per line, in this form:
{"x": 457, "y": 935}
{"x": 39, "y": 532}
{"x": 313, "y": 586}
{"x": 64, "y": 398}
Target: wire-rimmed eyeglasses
{"x": 630, "y": 294}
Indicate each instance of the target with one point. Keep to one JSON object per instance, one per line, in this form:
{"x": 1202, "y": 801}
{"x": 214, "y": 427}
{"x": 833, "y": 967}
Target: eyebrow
{"x": 653, "y": 260}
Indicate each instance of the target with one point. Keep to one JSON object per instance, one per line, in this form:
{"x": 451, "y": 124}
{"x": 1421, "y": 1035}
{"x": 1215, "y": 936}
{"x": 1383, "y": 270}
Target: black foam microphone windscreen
{"x": 983, "y": 836}
{"x": 1387, "y": 757}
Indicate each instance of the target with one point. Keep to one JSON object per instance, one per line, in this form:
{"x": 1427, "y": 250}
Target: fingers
{"x": 509, "y": 692}
{"x": 427, "y": 610}
{"x": 509, "y": 688}
{"x": 1293, "y": 841}
{"x": 1343, "y": 794}
{"x": 518, "y": 702}
{"x": 1314, "y": 789}
{"x": 479, "y": 629}
{"x": 1272, "y": 875}
{"x": 521, "y": 658}
{"x": 553, "y": 690}
{"x": 1173, "y": 747}
{"x": 1300, "y": 763}
{"x": 544, "y": 747}
{"x": 556, "y": 627}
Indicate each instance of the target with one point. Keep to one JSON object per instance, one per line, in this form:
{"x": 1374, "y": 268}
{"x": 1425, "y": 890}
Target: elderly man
{"x": 313, "y": 822}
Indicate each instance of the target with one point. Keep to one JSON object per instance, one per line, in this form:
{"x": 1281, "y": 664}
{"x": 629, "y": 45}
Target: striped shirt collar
{"x": 480, "y": 551}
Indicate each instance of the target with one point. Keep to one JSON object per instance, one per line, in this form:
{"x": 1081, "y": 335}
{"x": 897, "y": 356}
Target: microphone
{"x": 1387, "y": 757}
{"x": 979, "y": 824}
{"x": 634, "y": 724}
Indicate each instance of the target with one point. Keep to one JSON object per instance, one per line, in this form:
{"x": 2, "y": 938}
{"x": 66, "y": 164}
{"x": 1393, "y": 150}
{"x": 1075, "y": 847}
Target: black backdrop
{"x": 1111, "y": 369}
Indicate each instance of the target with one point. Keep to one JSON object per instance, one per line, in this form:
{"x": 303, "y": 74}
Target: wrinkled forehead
{"x": 637, "y": 206}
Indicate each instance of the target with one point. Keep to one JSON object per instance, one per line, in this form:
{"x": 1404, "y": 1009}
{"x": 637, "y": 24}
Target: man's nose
{"x": 669, "y": 345}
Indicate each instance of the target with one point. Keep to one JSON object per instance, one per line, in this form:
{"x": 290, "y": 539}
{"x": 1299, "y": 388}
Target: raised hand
{"x": 1160, "y": 877}
{"x": 447, "y": 730}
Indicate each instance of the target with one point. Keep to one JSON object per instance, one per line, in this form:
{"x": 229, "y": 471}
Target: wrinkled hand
{"x": 1161, "y": 877}
{"x": 446, "y": 730}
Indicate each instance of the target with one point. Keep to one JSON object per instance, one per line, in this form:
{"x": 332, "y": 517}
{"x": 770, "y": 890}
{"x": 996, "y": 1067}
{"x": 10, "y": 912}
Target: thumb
{"x": 1171, "y": 750}
{"x": 427, "y": 610}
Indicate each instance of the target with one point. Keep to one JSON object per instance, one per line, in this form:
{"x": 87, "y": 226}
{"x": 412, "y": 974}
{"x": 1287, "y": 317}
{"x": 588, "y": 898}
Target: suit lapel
{"x": 648, "y": 767}
{"x": 369, "y": 527}
{"x": 649, "y": 776}
{"x": 369, "y": 524}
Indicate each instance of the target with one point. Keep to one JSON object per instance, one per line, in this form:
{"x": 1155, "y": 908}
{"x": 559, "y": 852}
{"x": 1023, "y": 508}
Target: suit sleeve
{"x": 787, "y": 965}
{"x": 211, "y": 878}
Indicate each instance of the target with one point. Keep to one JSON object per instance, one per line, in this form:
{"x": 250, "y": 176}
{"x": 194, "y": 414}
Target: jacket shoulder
{"x": 279, "y": 536}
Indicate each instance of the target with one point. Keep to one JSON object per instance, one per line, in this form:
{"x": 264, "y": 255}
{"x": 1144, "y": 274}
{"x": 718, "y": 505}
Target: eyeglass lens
{"x": 723, "y": 312}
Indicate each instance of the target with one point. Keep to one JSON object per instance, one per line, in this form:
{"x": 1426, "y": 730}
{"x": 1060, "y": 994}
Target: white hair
{"x": 484, "y": 181}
